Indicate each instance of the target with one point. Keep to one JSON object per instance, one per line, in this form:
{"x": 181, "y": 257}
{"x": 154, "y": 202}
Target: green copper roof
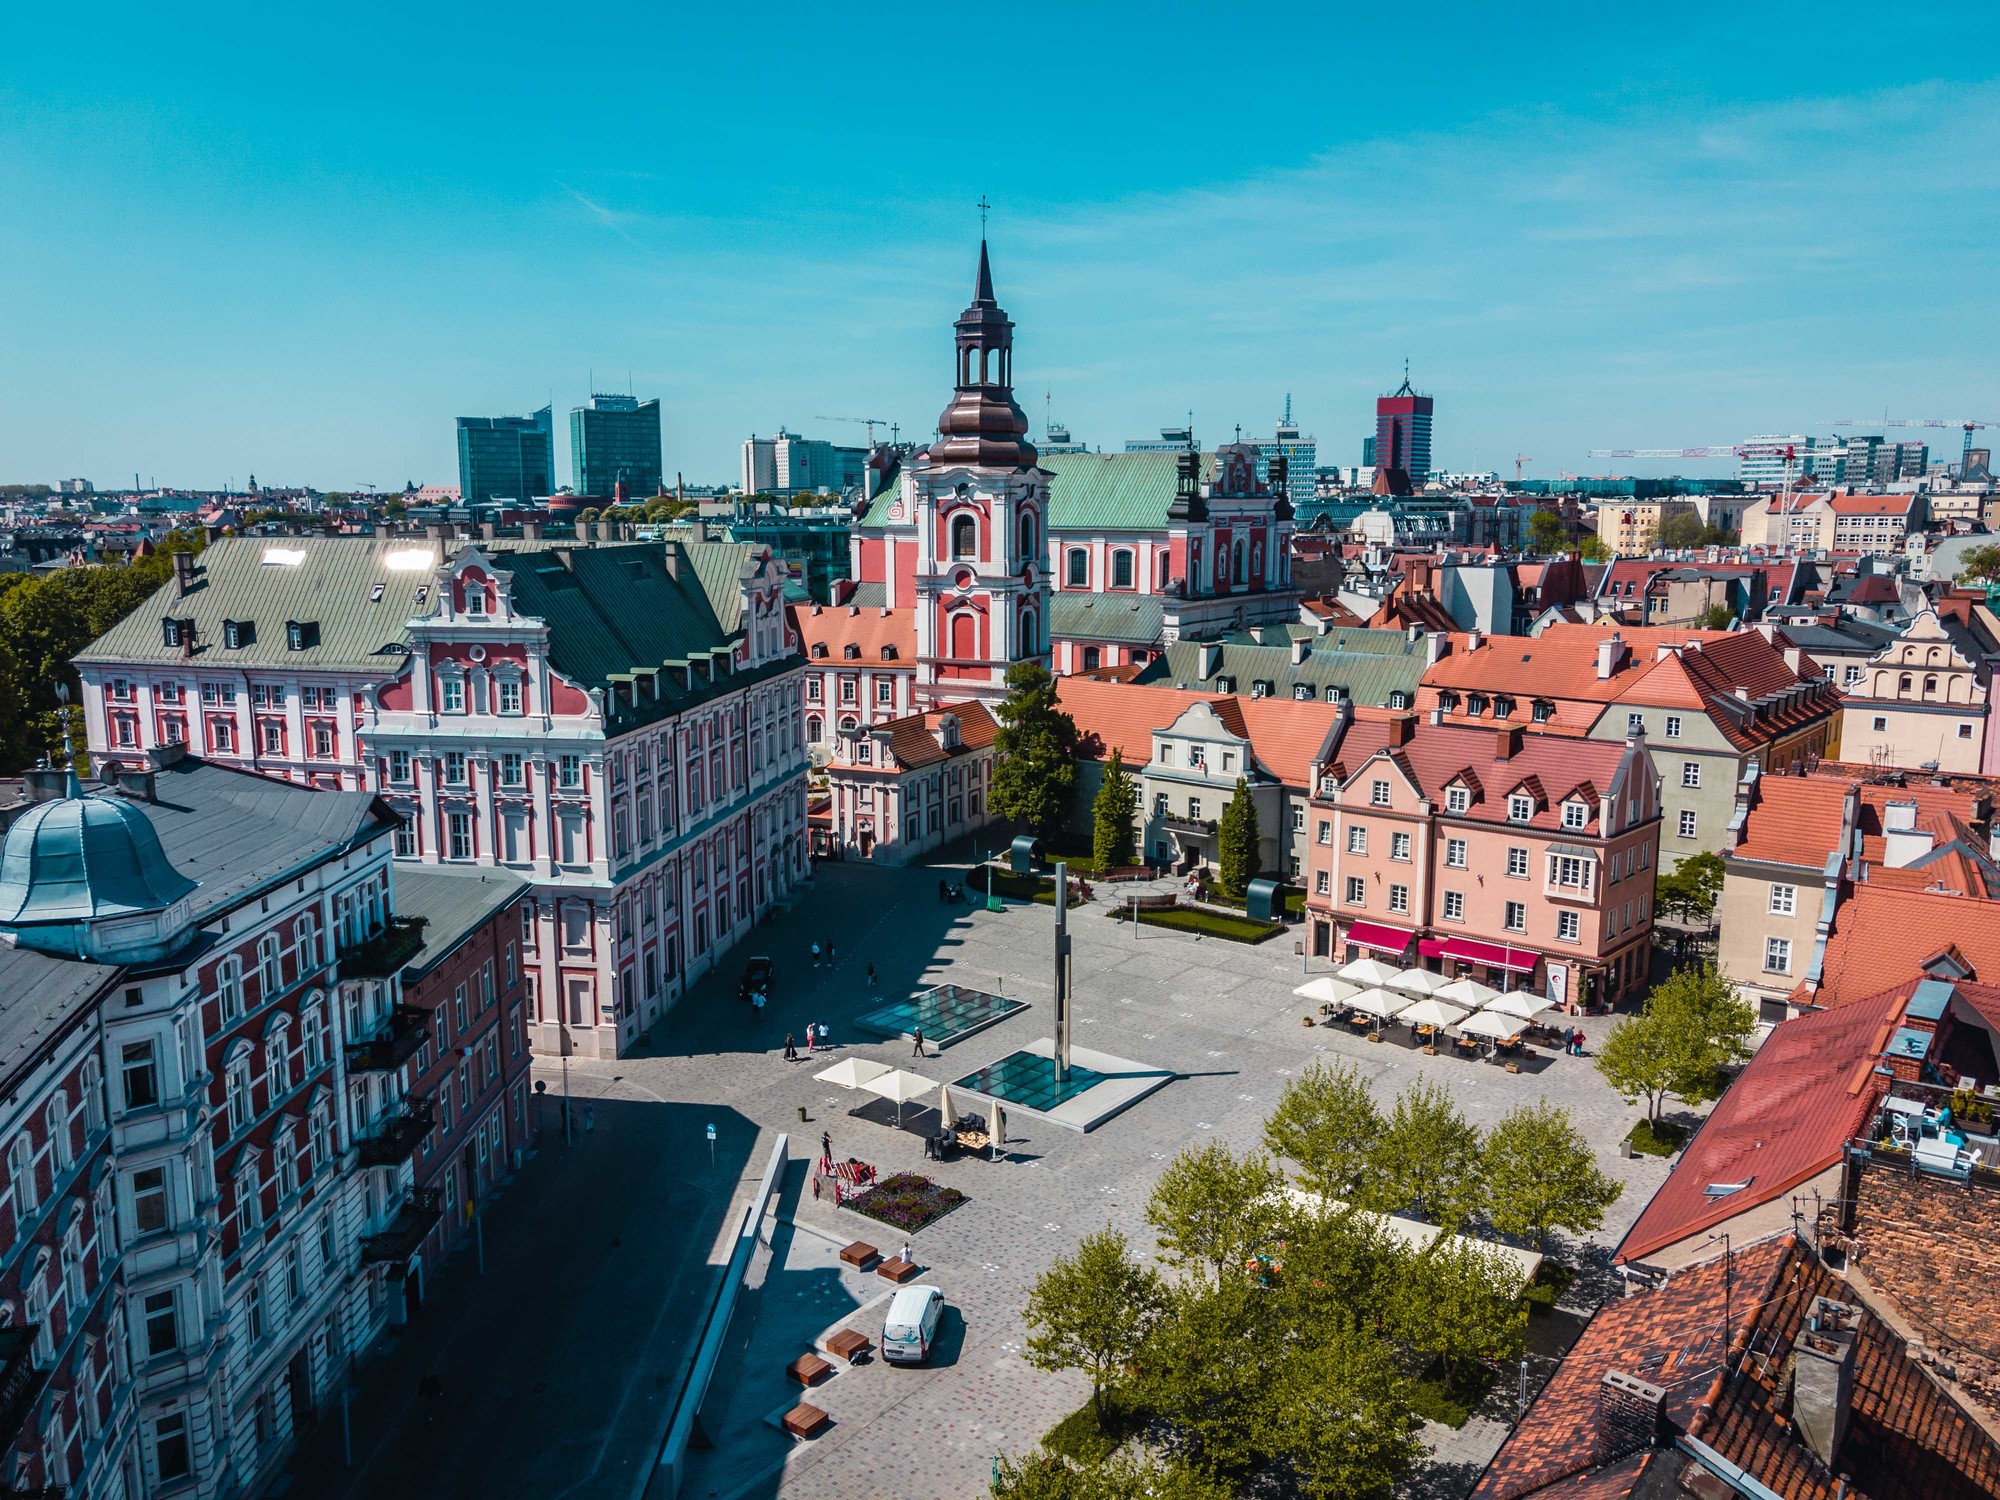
{"x": 79, "y": 858}
{"x": 1374, "y": 664}
{"x": 1114, "y": 491}
{"x": 1128, "y": 619}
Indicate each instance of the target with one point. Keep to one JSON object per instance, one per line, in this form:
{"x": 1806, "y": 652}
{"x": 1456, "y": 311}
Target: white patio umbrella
{"x": 1370, "y": 971}
{"x": 1490, "y": 1024}
{"x": 1418, "y": 982}
{"x": 1431, "y": 1012}
{"x": 852, "y": 1072}
{"x": 1521, "y": 1004}
{"x": 900, "y": 1086}
{"x": 1468, "y": 992}
{"x": 1325, "y": 990}
{"x": 1377, "y": 1002}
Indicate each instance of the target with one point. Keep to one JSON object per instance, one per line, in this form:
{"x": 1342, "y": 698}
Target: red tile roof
{"x": 1285, "y": 734}
{"x": 1882, "y": 934}
{"x": 1550, "y": 768}
{"x": 1786, "y": 1119}
{"x": 914, "y": 739}
{"x": 1907, "y": 1438}
{"x": 1872, "y": 505}
{"x": 835, "y": 625}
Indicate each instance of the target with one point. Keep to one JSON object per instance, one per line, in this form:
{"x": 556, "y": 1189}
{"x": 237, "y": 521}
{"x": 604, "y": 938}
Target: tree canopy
{"x": 1034, "y": 772}
{"x": 1326, "y": 1121}
{"x": 1111, "y": 831}
{"x": 1426, "y": 1162}
{"x": 1541, "y": 1175}
{"x": 1092, "y": 1310}
{"x": 1693, "y": 1029}
{"x": 1237, "y": 838}
{"x": 1546, "y": 533}
{"x": 1979, "y": 564}
{"x": 1213, "y": 1208}
{"x": 1690, "y": 890}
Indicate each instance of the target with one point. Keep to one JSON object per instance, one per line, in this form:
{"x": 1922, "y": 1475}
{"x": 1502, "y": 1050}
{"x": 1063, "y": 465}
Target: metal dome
{"x": 79, "y": 860}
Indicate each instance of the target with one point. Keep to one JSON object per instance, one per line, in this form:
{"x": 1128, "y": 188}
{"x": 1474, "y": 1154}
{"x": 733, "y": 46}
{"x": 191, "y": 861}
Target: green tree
{"x": 1207, "y": 1371}
{"x": 1034, "y": 775}
{"x": 1457, "y": 1303}
{"x": 1979, "y": 564}
{"x": 588, "y": 513}
{"x": 1683, "y": 528}
{"x": 1213, "y": 1208}
{"x": 1541, "y": 1174}
{"x": 1690, "y": 890}
{"x": 1327, "y": 1122}
{"x": 1111, "y": 816}
{"x": 1092, "y": 1310}
{"x": 1426, "y": 1161}
{"x": 1237, "y": 838}
{"x": 1716, "y": 617}
{"x": 1042, "y": 1475}
{"x": 1594, "y": 549}
{"x": 1546, "y": 533}
{"x": 1691, "y": 1031}
{"x": 1340, "y": 1415}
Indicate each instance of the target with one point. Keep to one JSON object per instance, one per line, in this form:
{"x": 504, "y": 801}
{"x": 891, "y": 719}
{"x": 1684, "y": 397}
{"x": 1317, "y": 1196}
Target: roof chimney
{"x": 1610, "y": 655}
{"x": 1402, "y": 727}
{"x": 1507, "y": 742}
{"x": 1436, "y": 648}
{"x": 1472, "y": 640}
{"x": 1796, "y": 660}
{"x": 531, "y": 531}
{"x": 183, "y": 573}
{"x": 1823, "y": 1376}
{"x": 1629, "y": 1413}
{"x": 1211, "y": 658}
{"x": 1301, "y": 649}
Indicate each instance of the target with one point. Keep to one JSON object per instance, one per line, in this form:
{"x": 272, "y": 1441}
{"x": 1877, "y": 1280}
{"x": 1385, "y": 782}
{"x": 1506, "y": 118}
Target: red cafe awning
{"x": 1493, "y": 955}
{"x": 1380, "y": 936}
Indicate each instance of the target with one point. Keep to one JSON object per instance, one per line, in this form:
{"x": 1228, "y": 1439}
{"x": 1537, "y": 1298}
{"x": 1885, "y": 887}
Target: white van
{"x": 910, "y": 1327}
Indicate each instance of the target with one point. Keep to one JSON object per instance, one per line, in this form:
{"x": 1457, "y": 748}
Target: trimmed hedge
{"x": 1207, "y": 923}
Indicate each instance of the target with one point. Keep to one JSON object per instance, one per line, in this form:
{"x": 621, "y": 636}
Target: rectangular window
{"x": 399, "y": 766}
{"x": 1357, "y": 891}
{"x": 569, "y": 771}
{"x": 141, "y": 1070}
{"x": 1673, "y": 726}
{"x": 1517, "y": 863}
{"x": 814, "y": 692}
{"x": 163, "y": 1324}
{"x": 511, "y": 769}
{"x": 454, "y": 768}
{"x": 406, "y": 842}
{"x": 1881, "y": 722}
{"x": 1298, "y": 819}
{"x": 1569, "y": 870}
{"x": 149, "y": 1200}
{"x": 1322, "y": 883}
{"x": 1777, "y": 955}
{"x": 1520, "y": 809}
{"x": 885, "y": 690}
{"x": 1457, "y": 799}
{"x": 1357, "y": 838}
{"x": 323, "y": 741}
{"x": 451, "y": 695}
{"x": 510, "y": 696}
{"x": 1159, "y": 804}
{"x": 173, "y": 1458}
{"x": 1690, "y": 773}
{"x": 1399, "y": 898}
{"x": 1454, "y": 853}
{"x": 1569, "y": 927}
{"x": 1517, "y": 916}
{"x": 1378, "y": 793}
{"x": 1635, "y": 723}
{"x": 1325, "y": 832}
{"x": 1194, "y": 807}
{"x": 458, "y": 829}
{"x": 1454, "y": 906}
{"x": 1687, "y": 823}
{"x": 1784, "y": 900}
{"x": 1576, "y": 815}
{"x": 1399, "y": 847}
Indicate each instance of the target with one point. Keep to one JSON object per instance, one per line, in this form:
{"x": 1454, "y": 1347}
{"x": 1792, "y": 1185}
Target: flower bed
{"x": 908, "y": 1201}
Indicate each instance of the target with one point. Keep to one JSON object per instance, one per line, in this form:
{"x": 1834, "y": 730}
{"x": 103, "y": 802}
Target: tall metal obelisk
{"x": 1062, "y": 972}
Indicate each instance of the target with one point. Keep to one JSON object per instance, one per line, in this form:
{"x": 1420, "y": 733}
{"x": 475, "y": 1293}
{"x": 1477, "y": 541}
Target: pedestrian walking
{"x": 791, "y": 1049}
{"x": 815, "y": 952}
{"x": 871, "y": 976}
{"x": 757, "y": 1006}
{"x": 918, "y": 1050}
{"x": 809, "y": 1039}
{"x": 826, "y": 1146}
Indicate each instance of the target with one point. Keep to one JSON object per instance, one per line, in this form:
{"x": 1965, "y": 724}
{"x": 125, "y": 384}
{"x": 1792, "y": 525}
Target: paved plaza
{"x": 605, "y": 1325}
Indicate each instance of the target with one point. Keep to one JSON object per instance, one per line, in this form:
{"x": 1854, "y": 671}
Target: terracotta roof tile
{"x": 835, "y": 626}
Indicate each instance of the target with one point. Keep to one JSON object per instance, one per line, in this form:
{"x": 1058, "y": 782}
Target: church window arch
{"x": 964, "y": 539}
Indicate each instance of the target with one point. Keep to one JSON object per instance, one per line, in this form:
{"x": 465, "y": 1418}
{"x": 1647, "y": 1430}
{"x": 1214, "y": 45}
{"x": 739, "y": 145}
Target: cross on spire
{"x": 983, "y": 207}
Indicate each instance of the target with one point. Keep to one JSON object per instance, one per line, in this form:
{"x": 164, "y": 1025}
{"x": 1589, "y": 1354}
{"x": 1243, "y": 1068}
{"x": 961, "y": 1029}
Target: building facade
{"x": 1922, "y": 702}
{"x": 1524, "y": 860}
{"x": 1403, "y": 433}
{"x": 903, "y": 787}
{"x": 789, "y": 464}
{"x": 615, "y": 440}
{"x": 506, "y": 458}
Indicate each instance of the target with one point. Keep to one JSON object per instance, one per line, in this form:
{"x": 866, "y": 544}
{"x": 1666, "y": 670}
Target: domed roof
{"x": 80, "y": 858}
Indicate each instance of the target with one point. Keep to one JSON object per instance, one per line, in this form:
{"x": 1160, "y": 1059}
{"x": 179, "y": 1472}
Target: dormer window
{"x": 851, "y": 651}
{"x": 1475, "y": 704}
{"x": 301, "y": 634}
{"x": 475, "y": 601}
{"x": 819, "y": 650}
{"x": 888, "y": 653}
{"x": 1520, "y": 807}
{"x": 1457, "y": 799}
{"x": 236, "y": 634}
{"x": 1576, "y": 815}
{"x": 1260, "y": 689}
{"x": 1225, "y": 684}
{"x": 1303, "y": 692}
{"x": 1503, "y": 708}
{"x": 1400, "y": 699}
{"x": 1542, "y": 711}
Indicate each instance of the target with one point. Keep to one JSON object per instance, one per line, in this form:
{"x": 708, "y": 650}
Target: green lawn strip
{"x": 1208, "y": 923}
{"x": 1663, "y": 1140}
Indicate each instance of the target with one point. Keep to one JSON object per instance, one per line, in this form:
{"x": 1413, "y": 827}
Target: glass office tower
{"x": 614, "y": 438}
{"x": 506, "y": 458}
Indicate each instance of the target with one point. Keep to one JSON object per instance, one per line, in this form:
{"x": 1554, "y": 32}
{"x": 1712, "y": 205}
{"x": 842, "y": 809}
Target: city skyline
{"x": 1689, "y": 248}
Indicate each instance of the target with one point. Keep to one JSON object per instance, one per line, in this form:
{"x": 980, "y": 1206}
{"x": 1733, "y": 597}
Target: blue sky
{"x": 297, "y": 242}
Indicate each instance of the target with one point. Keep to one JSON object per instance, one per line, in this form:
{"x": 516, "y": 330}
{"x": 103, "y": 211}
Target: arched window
{"x": 237, "y": 1087}
{"x": 229, "y": 988}
{"x": 1079, "y": 568}
{"x": 249, "y": 1211}
{"x": 1027, "y": 536}
{"x": 21, "y": 1173}
{"x": 1030, "y": 642}
{"x": 1237, "y": 570}
{"x": 1165, "y": 563}
{"x": 1930, "y": 685}
{"x": 270, "y": 974}
{"x": 312, "y": 1031}
{"x": 1121, "y": 569}
{"x": 965, "y": 636}
{"x": 964, "y": 539}
{"x": 59, "y": 1153}
{"x": 285, "y": 1151}
{"x": 319, "y": 1132}
{"x": 307, "y": 942}
{"x": 815, "y": 728}
{"x": 278, "y": 1062}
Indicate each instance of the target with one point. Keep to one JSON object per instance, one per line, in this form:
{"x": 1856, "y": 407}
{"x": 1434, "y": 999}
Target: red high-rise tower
{"x": 1403, "y": 432}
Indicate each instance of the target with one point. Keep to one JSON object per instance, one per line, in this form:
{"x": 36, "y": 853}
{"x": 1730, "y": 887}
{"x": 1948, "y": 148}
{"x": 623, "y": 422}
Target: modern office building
{"x": 790, "y": 465}
{"x": 506, "y": 458}
{"x": 1403, "y": 432}
{"x": 1775, "y": 458}
{"x": 1056, "y": 439}
{"x": 1170, "y": 440}
{"x": 615, "y": 438}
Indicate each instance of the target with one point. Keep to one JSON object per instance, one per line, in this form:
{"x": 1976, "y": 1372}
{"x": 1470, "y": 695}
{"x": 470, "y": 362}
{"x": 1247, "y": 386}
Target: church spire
{"x": 984, "y": 424}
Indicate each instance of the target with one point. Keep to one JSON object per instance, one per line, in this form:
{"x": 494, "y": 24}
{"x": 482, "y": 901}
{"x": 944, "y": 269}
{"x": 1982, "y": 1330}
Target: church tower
{"x": 980, "y": 503}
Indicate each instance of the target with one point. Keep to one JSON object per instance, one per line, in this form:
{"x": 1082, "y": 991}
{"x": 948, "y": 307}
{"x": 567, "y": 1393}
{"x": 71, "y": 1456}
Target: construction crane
{"x": 1711, "y": 450}
{"x": 871, "y": 423}
{"x": 1969, "y": 425}
{"x": 1520, "y": 459}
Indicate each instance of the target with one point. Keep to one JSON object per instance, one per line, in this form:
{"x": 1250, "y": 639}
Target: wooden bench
{"x": 808, "y": 1369}
{"x": 849, "y": 1344}
{"x": 806, "y": 1421}
{"x": 896, "y": 1269}
{"x": 861, "y": 1255}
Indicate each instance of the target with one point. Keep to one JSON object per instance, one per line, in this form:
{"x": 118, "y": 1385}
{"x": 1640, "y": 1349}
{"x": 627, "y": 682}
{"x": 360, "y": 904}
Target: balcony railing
{"x": 395, "y": 1045}
{"x": 398, "y": 1138}
{"x": 418, "y": 1217}
{"x": 385, "y": 953}
{"x": 1175, "y": 823}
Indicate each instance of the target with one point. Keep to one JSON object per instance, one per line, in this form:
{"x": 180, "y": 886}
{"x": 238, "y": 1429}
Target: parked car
{"x": 756, "y": 976}
{"x": 910, "y": 1327}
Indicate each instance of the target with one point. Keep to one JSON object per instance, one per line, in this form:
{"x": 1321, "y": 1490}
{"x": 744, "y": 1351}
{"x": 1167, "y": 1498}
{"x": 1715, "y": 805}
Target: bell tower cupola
{"x": 984, "y": 424}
